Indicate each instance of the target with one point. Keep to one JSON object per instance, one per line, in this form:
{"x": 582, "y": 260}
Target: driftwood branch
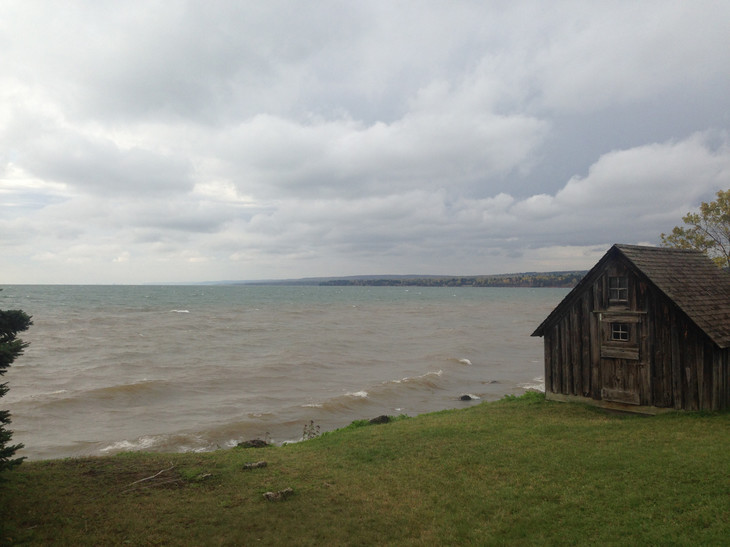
{"x": 160, "y": 483}
{"x": 149, "y": 478}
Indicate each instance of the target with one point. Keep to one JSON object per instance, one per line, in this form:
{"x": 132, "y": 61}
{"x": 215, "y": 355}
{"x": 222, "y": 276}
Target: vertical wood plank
{"x": 557, "y": 377}
{"x": 565, "y": 355}
{"x": 649, "y": 355}
{"x": 595, "y": 346}
{"x": 690, "y": 368}
{"x": 585, "y": 358}
{"x": 546, "y": 363}
{"x": 676, "y": 365}
{"x": 706, "y": 356}
{"x": 667, "y": 334}
{"x": 575, "y": 350}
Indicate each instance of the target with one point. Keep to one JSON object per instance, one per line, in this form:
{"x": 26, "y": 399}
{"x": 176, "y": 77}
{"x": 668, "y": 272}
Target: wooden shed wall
{"x": 570, "y": 352}
{"x": 679, "y": 366}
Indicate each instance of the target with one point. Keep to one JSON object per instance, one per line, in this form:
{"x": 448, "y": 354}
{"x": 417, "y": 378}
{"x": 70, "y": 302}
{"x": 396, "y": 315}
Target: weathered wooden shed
{"x": 646, "y": 329}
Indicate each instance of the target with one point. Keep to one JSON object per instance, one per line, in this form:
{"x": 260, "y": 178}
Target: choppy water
{"x": 176, "y": 368}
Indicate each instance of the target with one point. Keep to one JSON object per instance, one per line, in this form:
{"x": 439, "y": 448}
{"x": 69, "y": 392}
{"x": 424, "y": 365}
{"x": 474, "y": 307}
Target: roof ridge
{"x": 653, "y": 248}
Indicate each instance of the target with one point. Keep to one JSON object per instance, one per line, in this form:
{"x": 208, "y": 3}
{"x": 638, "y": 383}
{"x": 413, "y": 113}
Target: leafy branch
{"x": 707, "y": 231}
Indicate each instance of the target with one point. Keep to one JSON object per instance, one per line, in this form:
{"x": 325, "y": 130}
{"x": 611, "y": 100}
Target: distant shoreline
{"x": 566, "y": 279}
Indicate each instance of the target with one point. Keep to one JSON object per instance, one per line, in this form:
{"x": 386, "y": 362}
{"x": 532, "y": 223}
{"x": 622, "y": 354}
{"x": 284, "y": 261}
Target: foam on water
{"x": 161, "y": 443}
{"x": 143, "y": 443}
{"x": 35, "y": 397}
{"x": 428, "y": 379}
{"x": 537, "y": 384}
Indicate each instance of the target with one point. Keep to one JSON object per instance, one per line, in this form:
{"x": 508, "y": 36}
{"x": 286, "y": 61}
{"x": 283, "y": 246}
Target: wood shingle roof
{"x": 688, "y": 278}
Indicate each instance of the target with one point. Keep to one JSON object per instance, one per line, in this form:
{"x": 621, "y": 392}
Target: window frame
{"x": 618, "y": 289}
{"x": 627, "y": 347}
{"x": 620, "y": 332}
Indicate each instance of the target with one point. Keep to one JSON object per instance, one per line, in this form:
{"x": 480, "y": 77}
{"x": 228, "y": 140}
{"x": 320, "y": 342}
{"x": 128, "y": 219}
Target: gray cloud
{"x": 188, "y": 141}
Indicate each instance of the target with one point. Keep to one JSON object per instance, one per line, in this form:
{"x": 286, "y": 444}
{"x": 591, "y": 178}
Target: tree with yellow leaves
{"x": 707, "y": 231}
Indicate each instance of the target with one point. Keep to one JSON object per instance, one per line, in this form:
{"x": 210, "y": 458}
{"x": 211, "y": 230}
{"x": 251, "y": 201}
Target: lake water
{"x": 178, "y": 368}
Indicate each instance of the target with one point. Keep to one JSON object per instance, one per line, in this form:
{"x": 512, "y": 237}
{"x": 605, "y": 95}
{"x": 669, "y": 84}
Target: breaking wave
{"x": 385, "y": 390}
{"x": 537, "y": 384}
{"x": 161, "y": 443}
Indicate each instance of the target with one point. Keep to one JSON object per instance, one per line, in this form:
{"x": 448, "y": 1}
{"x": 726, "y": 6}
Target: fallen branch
{"x": 168, "y": 481}
{"x": 149, "y": 478}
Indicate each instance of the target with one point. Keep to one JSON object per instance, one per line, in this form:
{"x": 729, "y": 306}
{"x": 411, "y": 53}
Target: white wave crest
{"x": 123, "y": 446}
{"x": 537, "y": 384}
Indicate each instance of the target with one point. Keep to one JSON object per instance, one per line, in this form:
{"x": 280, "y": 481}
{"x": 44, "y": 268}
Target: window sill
{"x": 615, "y": 352}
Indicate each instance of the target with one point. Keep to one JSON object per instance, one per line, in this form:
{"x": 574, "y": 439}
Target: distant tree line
{"x": 550, "y": 279}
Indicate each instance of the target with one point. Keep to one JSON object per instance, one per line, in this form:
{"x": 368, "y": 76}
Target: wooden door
{"x": 624, "y": 371}
{"x": 623, "y": 380}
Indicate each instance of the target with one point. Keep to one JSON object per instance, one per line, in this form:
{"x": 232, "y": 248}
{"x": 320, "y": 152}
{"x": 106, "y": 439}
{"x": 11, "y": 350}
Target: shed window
{"x": 620, "y": 332}
{"x": 618, "y": 289}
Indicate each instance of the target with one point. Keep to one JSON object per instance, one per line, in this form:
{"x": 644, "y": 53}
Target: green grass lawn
{"x": 516, "y": 471}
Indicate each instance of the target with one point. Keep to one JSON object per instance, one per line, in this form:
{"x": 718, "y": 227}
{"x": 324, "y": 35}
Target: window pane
{"x": 618, "y": 288}
{"x": 620, "y": 331}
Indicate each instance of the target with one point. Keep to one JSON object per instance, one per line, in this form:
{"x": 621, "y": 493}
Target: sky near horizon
{"x": 172, "y": 141}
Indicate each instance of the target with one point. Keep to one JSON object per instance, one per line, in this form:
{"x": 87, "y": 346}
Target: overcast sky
{"x": 166, "y": 141}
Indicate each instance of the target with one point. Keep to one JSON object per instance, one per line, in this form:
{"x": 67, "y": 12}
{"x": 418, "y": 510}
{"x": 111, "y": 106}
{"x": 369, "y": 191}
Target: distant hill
{"x": 565, "y": 279}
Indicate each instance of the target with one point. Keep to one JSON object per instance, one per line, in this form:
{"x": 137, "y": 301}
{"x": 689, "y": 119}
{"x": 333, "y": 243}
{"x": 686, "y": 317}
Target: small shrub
{"x": 253, "y": 443}
{"x": 311, "y": 430}
{"x": 11, "y": 323}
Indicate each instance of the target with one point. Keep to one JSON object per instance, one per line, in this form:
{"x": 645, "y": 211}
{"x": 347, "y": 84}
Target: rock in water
{"x": 253, "y": 443}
